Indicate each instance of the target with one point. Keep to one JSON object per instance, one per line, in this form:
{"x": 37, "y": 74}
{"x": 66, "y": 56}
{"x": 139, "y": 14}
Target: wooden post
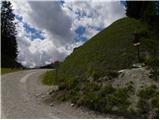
{"x": 136, "y": 43}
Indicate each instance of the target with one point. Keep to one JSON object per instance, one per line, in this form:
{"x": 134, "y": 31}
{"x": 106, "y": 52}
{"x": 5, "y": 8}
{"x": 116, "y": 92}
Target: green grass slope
{"x": 111, "y": 49}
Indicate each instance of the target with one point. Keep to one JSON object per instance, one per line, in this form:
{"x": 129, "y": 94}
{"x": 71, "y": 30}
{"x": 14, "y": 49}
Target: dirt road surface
{"x": 24, "y": 97}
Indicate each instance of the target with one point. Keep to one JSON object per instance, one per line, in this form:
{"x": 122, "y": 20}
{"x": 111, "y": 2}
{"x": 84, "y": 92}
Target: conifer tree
{"x": 8, "y": 36}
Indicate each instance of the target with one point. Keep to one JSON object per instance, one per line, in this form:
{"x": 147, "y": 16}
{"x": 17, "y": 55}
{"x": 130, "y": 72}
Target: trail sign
{"x": 136, "y": 40}
{"x": 136, "y": 43}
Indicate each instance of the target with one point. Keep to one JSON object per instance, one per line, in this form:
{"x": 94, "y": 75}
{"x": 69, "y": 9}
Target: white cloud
{"x": 97, "y": 14}
{"x": 58, "y": 23}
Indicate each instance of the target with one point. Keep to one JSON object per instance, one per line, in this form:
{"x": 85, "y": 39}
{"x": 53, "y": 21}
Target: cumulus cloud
{"x": 49, "y": 15}
{"x": 94, "y": 15}
{"x": 59, "y": 23}
{"x": 37, "y": 52}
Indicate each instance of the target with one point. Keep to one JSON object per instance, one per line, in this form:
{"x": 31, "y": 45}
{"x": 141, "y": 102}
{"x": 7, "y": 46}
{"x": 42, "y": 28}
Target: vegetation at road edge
{"x": 9, "y": 70}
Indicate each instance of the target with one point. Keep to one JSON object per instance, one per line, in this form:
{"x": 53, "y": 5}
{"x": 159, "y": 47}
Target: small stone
{"x": 138, "y": 65}
{"x": 115, "y": 108}
{"x": 42, "y": 96}
{"x": 55, "y": 88}
{"x": 105, "y": 78}
{"x": 37, "y": 95}
{"x": 51, "y": 104}
{"x": 121, "y": 75}
{"x": 72, "y": 105}
{"x": 91, "y": 79}
{"x": 120, "y": 71}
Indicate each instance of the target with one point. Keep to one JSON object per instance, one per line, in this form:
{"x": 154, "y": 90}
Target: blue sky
{"x": 33, "y": 33}
{"x": 38, "y": 34}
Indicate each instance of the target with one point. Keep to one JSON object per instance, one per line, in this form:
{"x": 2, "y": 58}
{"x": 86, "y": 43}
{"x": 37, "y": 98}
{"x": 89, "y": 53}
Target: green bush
{"x": 130, "y": 88}
{"x": 143, "y": 107}
{"x": 120, "y": 99}
{"x": 155, "y": 102}
{"x": 71, "y": 83}
{"x": 106, "y": 90}
{"x": 90, "y": 86}
{"x": 148, "y": 102}
{"x": 148, "y": 92}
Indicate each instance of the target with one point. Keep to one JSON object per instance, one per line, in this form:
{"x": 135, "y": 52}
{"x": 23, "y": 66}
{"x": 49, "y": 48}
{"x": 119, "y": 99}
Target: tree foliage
{"x": 142, "y": 9}
{"x": 147, "y": 11}
{"x": 8, "y": 36}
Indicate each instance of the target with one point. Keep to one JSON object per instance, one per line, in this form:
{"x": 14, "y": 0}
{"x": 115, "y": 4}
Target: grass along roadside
{"x": 49, "y": 78}
{"x": 8, "y": 70}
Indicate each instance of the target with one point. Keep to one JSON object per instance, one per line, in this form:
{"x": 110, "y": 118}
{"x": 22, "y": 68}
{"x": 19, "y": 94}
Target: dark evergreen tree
{"x": 8, "y": 36}
{"x": 142, "y": 9}
{"x": 147, "y": 11}
{"x": 133, "y": 8}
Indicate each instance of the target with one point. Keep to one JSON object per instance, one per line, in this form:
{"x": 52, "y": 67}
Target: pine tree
{"x": 133, "y": 9}
{"x": 147, "y": 11}
{"x": 8, "y": 36}
{"x": 142, "y": 9}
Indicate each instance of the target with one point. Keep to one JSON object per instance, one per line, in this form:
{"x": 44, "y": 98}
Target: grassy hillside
{"x": 88, "y": 75}
{"x": 111, "y": 49}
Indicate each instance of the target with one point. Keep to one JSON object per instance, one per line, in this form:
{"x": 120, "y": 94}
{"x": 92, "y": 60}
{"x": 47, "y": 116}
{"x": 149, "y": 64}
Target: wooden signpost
{"x": 136, "y": 43}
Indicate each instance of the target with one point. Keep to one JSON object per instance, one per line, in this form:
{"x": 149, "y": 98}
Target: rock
{"x": 120, "y": 71}
{"x": 43, "y": 96}
{"x": 51, "y": 104}
{"x": 121, "y": 75}
{"x": 72, "y": 104}
{"x": 91, "y": 79}
{"x": 37, "y": 95}
{"x": 55, "y": 88}
{"x": 114, "y": 108}
{"x": 138, "y": 65}
{"x": 50, "y": 92}
{"x": 105, "y": 78}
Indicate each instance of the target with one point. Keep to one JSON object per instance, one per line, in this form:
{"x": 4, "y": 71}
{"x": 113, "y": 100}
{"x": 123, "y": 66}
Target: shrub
{"x": 155, "y": 102}
{"x": 143, "y": 107}
{"x": 71, "y": 83}
{"x": 130, "y": 87}
{"x": 90, "y": 86}
{"x": 148, "y": 92}
{"x": 121, "y": 97}
{"x": 148, "y": 102}
{"x": 106, "y": 90}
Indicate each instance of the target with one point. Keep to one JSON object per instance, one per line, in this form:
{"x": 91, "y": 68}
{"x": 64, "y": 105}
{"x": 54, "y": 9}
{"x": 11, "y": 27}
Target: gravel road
{"x": 24, "y": 97}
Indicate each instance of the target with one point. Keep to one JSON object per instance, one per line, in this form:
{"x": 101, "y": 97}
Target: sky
{"x": 48, "y": 31}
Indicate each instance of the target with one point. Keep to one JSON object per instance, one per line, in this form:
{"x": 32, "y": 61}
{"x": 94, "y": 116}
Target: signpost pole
{"x": 136, "y": 43}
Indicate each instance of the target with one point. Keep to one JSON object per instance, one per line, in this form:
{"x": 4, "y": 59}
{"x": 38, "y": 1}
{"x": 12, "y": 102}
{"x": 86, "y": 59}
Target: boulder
{"x": 138, "y": 65}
